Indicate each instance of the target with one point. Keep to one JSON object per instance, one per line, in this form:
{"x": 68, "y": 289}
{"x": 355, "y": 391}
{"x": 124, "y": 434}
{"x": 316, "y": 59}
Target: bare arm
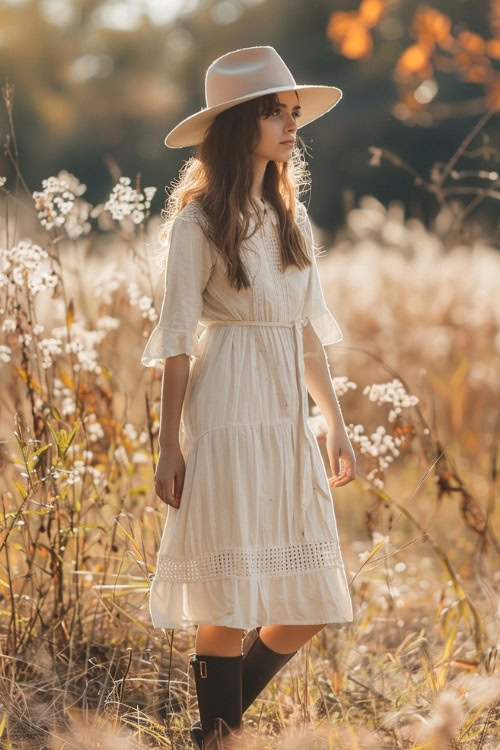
{"x": 173, "y": 390}
{"x": 320, "y": 386}
{"x": 171, "y": 468}
{"x": 318, "y": 379}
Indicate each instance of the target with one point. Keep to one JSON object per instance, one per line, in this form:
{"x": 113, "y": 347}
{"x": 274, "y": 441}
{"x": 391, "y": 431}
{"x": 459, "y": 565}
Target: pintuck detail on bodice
{"x": 197, "y": 291}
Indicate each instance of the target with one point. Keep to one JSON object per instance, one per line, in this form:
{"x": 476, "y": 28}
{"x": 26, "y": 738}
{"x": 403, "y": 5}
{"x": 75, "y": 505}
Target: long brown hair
{"x": 220, "y": 177}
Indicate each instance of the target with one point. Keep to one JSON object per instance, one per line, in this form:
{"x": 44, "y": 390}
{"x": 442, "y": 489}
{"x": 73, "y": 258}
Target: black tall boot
{"x": 219, "y": 688}
{"x": 260, "y": 664}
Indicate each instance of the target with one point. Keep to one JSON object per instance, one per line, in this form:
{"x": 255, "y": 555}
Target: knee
{"x": 219, "y": 640}
{"x": 315, "y": 629}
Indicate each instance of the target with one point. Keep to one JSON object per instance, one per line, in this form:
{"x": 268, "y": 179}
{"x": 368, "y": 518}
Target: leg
{"x": 218, "y": 640}
{"x": 271, "y": 647}
{"x": 217, "y": 667}
{"x": 286, "y": 638}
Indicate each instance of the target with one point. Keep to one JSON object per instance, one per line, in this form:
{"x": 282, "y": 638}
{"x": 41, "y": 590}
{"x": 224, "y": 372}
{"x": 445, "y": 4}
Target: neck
{"x": 259, "y": 169}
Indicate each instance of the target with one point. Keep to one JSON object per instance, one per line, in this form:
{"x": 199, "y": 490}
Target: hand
{"x": 170, "y": 470}
{"x": 340, "y": 451}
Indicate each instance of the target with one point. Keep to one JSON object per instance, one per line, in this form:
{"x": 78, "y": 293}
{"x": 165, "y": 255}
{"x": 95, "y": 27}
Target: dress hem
{"x": 223, "y": 623}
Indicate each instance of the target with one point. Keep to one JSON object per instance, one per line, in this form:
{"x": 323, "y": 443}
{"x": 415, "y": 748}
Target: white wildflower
{"x": 68, "y": 405}
{"x": 107, "y": 323}
{"x": 41, "y": 280}
{"x": 49, "y": 346}
{"x": 93, "y": 427}
{"x": 341, "y": 384}
{"x": 87, "y": 359}
{"x": 25, "y": 338}
{"x": 107, "y": 282}
{"x": 77, "y": 224}
{"x": 133, "y": 292}
{"x": 9, "y": 325}
{"x": 5, "y": 353}
{"x": 392, "y": 393}
{"x": 54, "y": 202}
{"x": 121, "y": 455}
{"x": 130, "y": 431}
{"x": 127, "y": 201}
{"x": 82, "y": 343}
{"x": 27, "y": 263}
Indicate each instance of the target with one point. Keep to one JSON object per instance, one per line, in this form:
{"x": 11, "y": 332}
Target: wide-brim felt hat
{"x": 245, "y": 74}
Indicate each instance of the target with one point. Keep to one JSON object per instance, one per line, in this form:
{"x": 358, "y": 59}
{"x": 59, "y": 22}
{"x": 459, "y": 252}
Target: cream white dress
{"x": 254, "y": 541}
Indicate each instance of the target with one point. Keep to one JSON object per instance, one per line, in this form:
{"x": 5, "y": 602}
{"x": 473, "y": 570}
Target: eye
{"x": 296, "y": 113}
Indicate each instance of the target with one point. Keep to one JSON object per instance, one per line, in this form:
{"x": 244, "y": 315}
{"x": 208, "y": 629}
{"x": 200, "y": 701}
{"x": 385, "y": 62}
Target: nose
{"x": 291, "y": 124}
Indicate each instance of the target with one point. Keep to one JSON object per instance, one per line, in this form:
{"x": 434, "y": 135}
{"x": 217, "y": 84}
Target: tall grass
{"x": 417, "y": 377}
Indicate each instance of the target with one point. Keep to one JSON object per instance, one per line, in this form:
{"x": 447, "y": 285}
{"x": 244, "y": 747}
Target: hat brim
{"x": 314, "y": 102}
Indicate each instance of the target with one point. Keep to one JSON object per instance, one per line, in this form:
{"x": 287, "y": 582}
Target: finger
{"x": 339, "y": 482}
{"x": 166, "y": 496}
{"x": 178, "y": 484}
{"x": 339, "y": 472}
{"x": 335, "y": 476}
{"x": 345, "y": 478}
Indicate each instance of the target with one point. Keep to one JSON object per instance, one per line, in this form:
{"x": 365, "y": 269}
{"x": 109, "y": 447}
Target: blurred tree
{"x": 100, "y": 82}
{"x": 438, "y": 46}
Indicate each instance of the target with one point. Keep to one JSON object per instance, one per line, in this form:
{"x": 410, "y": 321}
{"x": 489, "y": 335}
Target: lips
{"x": 287, "y": 143}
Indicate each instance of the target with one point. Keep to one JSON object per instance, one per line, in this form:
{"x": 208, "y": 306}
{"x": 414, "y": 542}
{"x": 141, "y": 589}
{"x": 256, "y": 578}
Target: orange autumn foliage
{"x": 350, "y": 30}
{"x": 472, "y": 42}
{"x": 493, "y": 48}
{"x": 414, "y": 59}
{"x": 470, "y": 55}
{"x": 431, "y": 27}
{"x": 371, "y": 11}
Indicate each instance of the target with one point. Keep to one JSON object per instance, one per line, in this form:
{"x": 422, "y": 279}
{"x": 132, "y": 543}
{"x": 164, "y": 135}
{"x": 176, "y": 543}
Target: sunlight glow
{"x": 127, "y": 15}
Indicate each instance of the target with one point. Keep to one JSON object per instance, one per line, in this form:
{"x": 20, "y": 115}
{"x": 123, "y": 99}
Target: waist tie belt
{"x": 310, "y": 463}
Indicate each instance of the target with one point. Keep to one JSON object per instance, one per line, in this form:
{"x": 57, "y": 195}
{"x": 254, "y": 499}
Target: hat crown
{"x": 243, "y": 72}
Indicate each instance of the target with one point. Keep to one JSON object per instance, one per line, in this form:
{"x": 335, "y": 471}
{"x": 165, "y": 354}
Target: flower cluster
{"x": 142, "y": 301}
{"x": 108, "y": 282}
{"x": 78, "y": 341}
{"x": 93, "y": 428}
{"x": 49, "y": 347}
{"x": 5, "y": 353}
{"x": 26, "y": 264}
{"x": 65, "y": 395}
{"x": 390, "y": 393}
{"x": 380, "y": 445}
{"x": 127, "y": 201}
{"x": 54, "y": 202}
{"x": 59, "y": 205}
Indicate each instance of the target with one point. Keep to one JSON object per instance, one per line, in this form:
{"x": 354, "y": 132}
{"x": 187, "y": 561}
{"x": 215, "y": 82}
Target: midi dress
{"x": 254, "y": 541}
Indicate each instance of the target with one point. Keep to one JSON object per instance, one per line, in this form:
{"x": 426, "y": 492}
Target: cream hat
{"x": 246, "y": 74}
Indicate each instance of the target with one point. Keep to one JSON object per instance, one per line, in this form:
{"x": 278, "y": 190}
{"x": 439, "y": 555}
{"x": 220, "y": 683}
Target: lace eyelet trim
{"x": 244, "y": 562}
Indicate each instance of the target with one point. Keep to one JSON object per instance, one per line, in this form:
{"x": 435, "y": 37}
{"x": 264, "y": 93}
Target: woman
{"x": 250, "y": 541}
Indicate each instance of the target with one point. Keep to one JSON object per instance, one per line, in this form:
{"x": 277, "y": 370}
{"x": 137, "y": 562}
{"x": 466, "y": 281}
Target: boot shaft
{"x": 218, "y": 682}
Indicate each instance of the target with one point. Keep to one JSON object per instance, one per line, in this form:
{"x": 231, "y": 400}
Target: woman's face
{"x": 278, "y": 127}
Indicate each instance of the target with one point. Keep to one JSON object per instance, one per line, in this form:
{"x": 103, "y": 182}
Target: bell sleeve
{"x": 314, "y": 306}
{"x": 188, "y": 269}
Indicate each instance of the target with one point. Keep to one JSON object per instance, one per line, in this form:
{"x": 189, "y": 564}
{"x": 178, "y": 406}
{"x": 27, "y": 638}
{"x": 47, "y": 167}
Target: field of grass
{"x": 417, "y": 379}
